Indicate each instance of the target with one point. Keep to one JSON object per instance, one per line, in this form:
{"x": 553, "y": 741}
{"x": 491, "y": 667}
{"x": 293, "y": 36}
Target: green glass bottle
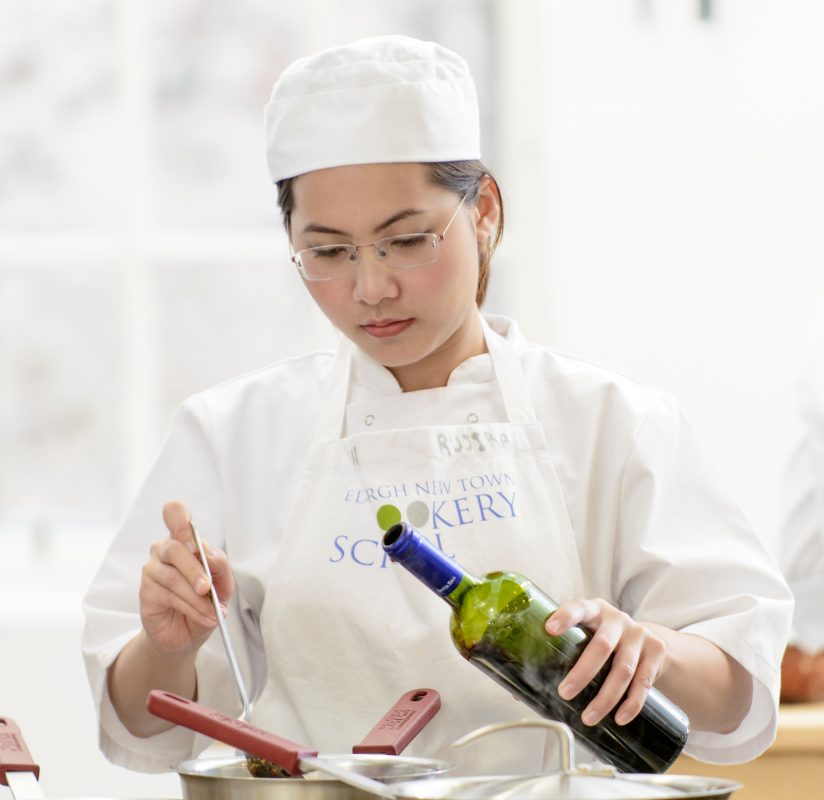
{"x": 498, "y": 625}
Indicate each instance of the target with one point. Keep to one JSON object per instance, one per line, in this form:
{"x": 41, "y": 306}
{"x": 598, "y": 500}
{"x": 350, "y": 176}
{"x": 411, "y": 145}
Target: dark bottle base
{"x": 650, "y": 743}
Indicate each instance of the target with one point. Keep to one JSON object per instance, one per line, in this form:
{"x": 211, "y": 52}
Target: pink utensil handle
{"x": 228, "y": 730}
{"x": 402, "y": 723}
{"x": 14, "y": 755}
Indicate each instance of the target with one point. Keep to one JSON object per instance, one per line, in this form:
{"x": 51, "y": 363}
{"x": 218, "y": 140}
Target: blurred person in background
{"x": 801, "y": 544}
{"x": 392, "y": 219}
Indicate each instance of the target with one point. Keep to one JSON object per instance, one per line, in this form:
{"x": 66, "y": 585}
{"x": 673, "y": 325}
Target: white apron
{"x": 347, "y": 631}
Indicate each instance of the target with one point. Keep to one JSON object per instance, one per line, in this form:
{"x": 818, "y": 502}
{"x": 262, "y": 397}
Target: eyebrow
{"x": 407, "y": 212}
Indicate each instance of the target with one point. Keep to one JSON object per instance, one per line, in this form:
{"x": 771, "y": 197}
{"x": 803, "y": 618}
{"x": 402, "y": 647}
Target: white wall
{"x": 43, "y": 685}
{"x": 675, "y": 225}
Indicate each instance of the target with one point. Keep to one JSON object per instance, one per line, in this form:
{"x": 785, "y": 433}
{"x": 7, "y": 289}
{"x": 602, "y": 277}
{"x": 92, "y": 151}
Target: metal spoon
{"x": 259, "y": 767}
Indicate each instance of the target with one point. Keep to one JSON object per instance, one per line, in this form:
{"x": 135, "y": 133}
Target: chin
{"x": 391, "y": 361}
{"x": 390, "y": 356}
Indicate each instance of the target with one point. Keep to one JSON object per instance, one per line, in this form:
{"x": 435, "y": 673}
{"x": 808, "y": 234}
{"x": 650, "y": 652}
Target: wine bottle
{"x": 498, "y": 625}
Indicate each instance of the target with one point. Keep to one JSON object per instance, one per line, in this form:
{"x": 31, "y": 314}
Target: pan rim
{"x": 426, "y": 767}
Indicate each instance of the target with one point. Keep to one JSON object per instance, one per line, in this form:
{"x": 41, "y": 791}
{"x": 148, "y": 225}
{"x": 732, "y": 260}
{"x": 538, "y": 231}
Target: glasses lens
{"x": 320, "y": 263}
{"x": 410, "y": 250}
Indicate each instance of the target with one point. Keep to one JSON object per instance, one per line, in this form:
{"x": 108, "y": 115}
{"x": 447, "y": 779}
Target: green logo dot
{"x": 388, "y": 516}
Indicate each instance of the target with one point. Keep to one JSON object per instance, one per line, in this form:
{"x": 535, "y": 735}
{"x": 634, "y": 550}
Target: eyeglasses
{"x": 405, "y": 251}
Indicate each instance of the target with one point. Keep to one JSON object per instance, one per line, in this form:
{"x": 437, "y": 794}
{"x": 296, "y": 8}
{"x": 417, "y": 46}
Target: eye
{"x": 332, "y": 251}
{"x": 411, "y": 241}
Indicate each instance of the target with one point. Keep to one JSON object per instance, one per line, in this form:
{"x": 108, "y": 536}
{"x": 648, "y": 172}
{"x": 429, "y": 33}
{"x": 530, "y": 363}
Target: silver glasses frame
{"x": 381, "y": 249}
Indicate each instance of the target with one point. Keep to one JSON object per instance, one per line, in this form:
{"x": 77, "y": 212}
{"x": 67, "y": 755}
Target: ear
{"x": 488, "y": 210}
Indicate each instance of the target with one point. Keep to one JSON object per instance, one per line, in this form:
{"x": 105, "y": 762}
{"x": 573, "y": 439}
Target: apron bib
{"x": 347, "y": 631}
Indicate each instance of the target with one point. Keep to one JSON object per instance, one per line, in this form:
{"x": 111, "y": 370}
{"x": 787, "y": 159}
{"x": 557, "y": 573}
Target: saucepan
{"x": 570, "y": 782}
{"x": 328, "y": 777}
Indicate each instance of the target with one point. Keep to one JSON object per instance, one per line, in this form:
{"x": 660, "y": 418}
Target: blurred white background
{"x": 661, "y": 163}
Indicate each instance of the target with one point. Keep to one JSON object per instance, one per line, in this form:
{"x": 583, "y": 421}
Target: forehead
{"x": 366, "y": 188}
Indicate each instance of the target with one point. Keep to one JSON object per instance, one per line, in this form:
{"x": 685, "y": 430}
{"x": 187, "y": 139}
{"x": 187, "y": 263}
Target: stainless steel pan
{"x": 375, "y": 757}
{"x": 570, "y": 782}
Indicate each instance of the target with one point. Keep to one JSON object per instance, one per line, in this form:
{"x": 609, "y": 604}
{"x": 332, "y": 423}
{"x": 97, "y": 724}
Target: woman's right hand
{"x": 175, "y": 604}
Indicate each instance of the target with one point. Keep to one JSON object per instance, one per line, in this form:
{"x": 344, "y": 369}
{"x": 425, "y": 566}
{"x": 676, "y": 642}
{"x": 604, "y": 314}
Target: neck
{"x": 433, "y": 371}
{"x": 428, "y": 563}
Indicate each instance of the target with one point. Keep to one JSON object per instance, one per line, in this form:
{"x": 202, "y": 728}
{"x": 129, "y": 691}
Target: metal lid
{"x": 539, "y": 787}
{"x": 585, "y": 782}
{"x": 567, "y": 787}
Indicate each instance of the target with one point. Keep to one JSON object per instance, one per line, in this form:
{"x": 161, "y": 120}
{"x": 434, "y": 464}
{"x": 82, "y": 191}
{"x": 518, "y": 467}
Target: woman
{"x": 507, "y": 454}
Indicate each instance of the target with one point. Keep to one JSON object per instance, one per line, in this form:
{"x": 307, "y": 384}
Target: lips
{"x": 384, "y": 328}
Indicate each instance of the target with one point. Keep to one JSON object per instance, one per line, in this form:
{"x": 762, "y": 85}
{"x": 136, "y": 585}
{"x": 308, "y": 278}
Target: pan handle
{"x": 228, "y": 730}
{"x": 565, "y": 739}
{"x": 402, "y": 723}
{"x": 14, "y": 755}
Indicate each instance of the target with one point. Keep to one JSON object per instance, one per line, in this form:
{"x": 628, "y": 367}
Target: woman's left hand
{"x": 638, "y": 658}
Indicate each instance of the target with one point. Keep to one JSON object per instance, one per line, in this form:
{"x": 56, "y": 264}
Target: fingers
{"x": 571, "y": 613}
{"x": 178, "y": 521}
{"x": 645, "y": 676}
{"x": 163, "y": 588}
{"x": 609, "y": 626}
{"x": 635, "y": 666}
{"x": 637, "y": 659}
{"x": 221, "y": 570}
{"x": 183, "y": 557}
{"x": 176, "y": 606}
{"x": 175, "y": 567}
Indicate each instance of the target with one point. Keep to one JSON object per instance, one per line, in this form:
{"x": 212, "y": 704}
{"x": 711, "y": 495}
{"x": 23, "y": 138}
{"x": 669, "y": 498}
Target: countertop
{"x": 792, "y": 768}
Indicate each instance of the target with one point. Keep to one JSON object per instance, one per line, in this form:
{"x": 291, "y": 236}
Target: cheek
{"x": 323, "y": 293}
{"x": 451, "y": 284}
{"x": 329, "y": 298}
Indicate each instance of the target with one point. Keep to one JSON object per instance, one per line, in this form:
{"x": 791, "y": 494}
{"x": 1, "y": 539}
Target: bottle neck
{"x": 427, "y": 563}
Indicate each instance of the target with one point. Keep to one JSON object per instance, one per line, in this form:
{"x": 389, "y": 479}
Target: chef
{"x": 506, "y": 454}
{"x": 801, "y": 549}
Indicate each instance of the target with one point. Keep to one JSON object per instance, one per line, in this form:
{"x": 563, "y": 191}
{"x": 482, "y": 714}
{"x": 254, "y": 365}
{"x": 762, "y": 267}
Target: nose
{"x": 374, "y": 281}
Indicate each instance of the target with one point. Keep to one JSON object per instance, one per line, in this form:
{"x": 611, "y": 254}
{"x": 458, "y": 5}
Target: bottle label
{"x": 431, "y": 566}
{"x": 428, "y": 564}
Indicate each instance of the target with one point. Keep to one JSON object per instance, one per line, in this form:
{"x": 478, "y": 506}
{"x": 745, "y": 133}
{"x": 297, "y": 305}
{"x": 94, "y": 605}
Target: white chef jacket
{"x": 657, "y": 532}
{"x": 801, "y": 543}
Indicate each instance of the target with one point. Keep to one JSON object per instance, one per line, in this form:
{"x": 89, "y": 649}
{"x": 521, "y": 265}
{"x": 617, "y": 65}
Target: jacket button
{"x": 370, "y": 418}
{"x": 472, "y": 417}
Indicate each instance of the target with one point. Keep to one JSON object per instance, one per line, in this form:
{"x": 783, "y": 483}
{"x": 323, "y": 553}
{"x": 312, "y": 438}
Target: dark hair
{"x": 461, "y": 177}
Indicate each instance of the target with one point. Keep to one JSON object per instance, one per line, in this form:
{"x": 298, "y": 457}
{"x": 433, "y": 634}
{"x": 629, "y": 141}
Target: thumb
{"x": 178, "y": 521}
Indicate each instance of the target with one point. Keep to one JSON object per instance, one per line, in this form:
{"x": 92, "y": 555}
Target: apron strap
{"x": 511, "y": 380}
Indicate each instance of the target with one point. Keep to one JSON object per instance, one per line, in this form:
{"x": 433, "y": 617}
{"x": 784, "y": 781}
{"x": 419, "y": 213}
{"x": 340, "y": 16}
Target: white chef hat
{"x": 378, "y": 100}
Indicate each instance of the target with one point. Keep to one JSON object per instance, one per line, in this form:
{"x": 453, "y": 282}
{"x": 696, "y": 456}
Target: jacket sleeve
{"x": 690, "y": 561}
{"x": 185, "y": 470}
